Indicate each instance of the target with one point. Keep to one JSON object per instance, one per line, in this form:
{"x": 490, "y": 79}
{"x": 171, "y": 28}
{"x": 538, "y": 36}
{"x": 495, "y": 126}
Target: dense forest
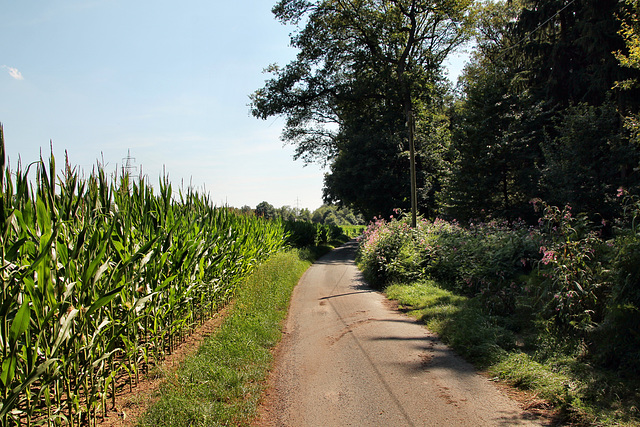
{"x": 544, "y": 109}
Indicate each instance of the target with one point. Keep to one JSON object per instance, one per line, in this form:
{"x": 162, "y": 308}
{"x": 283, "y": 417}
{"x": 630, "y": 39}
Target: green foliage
{"x": 352, "y": 231}
{"x": 630, "y": 31}
{"x": 573, "y": 280}
{"x": 101, "y": 278}
{"x": 486, "y": 260}
{"x": 538, "y": 115}
{"x": 495, "y": 126}
{"x": 362, "y": 70}
{"x": 588, "y": 160}
{"x": 621, "y": 326}
{"x": 627, "y": 266}
{"x": 370, "y": 172}
{"x": 265, "y": 210}
{"x": 336, "y": 215}
{"x": 301, "y": 234}
{"x": 385, "y": 254}
{"x": 552, "y": 308}
{"x": 569, "y": 50}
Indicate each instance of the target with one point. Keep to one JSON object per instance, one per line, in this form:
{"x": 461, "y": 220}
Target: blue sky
{"x": 168, "y": 81}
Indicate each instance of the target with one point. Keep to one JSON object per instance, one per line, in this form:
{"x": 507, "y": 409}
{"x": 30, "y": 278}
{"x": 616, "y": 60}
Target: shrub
{"x": 547, "y": 307}
{"x": 485, "y": 260}
{"x": 562, "y": 274}
{"x": 300, "y": 233}
{"x": 574, "y": 281}
{"x": 387, "y": 252}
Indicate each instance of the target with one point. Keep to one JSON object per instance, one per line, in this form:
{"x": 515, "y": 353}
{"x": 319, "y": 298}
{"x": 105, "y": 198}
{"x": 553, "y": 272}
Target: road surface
{"x": 348, "y": 359}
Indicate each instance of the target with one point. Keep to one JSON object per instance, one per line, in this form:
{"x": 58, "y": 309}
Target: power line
{"x": 537, "y": 28}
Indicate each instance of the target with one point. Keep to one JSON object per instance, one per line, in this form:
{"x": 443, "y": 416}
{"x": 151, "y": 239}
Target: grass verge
{"x": 222, "y": 382}
{"x": 580, "y": 394}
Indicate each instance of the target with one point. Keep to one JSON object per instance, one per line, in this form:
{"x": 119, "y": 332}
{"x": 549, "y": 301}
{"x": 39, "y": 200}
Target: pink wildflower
{"x": 548, "y": 257}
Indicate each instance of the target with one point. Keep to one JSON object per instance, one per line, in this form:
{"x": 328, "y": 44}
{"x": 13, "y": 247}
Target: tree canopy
{"x": 539, "y": 116}
{"x": 547, "y": 107}
{"x": 362, "y": 70}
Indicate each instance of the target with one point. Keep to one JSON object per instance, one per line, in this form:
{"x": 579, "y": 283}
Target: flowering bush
{"x": 388, "y": 252}
{"x": 484, "y": 260}
{"x": 572, "y": 277}
{"x": 583, "y": 291}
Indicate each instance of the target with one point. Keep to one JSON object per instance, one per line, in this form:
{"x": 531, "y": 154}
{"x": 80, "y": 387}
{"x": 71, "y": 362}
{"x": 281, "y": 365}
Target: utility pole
{"x": 412, "y": 159}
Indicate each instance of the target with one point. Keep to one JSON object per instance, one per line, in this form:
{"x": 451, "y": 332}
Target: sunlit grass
{"x": 222, "y": 382}
{"x": 455, "y": 318}
{"x": 580, "y": 393}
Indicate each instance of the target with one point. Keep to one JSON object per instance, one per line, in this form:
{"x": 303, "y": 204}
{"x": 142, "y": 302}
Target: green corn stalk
{"x": 102, "y": 276}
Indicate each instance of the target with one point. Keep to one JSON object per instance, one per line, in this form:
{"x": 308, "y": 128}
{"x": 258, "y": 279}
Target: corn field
{"x": 101, "y": 278}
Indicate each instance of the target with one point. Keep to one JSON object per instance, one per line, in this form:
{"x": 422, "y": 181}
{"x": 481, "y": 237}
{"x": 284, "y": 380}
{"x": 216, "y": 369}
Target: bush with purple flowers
{"x": 389, "y": 252}
{"x": 573, "y": 277}
{"x": 555, "y": 307}
{"x": 561, "y": 277}
{"x": 487, "y": 260}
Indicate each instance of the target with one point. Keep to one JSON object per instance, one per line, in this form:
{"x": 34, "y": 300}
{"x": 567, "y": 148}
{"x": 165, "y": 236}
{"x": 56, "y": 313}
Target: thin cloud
{"x": 13, "y": 72}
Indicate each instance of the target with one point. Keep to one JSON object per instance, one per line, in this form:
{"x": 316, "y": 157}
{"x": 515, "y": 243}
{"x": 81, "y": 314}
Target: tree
{"x": 496, "y": 126}
{"x": 287, "y": 213}
{"x": 588, "y": 161}
{"x": 305, "y": 215}
{"x": 265, "y": 210}
{"x": 332, "y": 214}
{"x": 538, "y": 117}
{"x": 246, "y": 210}
{"x": 570, "y": 45}
{"x": 370, "y": 172}
{"x": 630, "y": 31}
{"x": 359, "y": 51}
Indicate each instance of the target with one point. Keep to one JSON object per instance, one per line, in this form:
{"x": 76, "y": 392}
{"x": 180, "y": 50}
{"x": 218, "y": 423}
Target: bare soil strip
{"x": 130, "y": 405}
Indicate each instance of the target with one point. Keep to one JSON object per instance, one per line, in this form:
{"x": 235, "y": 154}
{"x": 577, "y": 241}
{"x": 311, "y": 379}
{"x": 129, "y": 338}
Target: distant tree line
{"x": 546, "y": 108}
{"x": 325, "y": 214}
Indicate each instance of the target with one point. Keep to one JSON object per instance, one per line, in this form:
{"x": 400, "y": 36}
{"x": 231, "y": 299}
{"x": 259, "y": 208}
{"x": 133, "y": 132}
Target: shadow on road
{"x": 340, "y": 255}
{"x": 364, "y": 291}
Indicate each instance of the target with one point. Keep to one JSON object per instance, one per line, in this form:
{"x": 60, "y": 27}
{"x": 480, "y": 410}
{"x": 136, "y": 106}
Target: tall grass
{"x": 103, "y": 276}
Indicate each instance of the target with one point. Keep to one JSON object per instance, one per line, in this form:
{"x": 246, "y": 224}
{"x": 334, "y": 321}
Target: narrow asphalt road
{"x": 349, "y": 359}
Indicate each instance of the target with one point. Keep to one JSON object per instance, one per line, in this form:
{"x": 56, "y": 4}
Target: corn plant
{"x": 101, "y": 278}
